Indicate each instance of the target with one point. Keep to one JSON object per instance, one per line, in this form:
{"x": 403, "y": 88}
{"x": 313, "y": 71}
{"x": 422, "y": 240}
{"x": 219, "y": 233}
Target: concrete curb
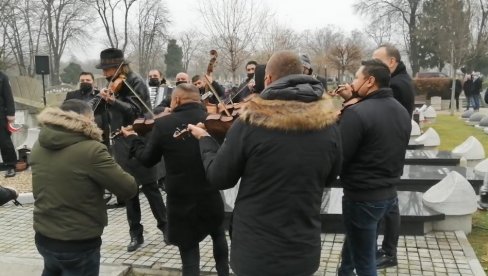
{"x": 473, "y": 261}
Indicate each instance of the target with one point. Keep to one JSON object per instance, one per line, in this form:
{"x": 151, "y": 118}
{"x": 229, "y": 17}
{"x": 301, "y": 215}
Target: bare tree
{"x": 402, "y": 13}
{"x": 277, "y": 38}
{"x": 65, "y": 21}
{"x": 190, "y": 42}
{"x": 380, "y": 30}
{"x": 152, "y": 33}
{"x": 109, "y": 10}
{"x": 22, "y": 23}
{"x": 233, "y": 26}
{"x": 344, "y": 56}
{"x": 318, "y": 43}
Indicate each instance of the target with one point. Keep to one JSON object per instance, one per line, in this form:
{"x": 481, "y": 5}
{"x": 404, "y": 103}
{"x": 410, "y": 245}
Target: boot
{"x": 135, "y": 242}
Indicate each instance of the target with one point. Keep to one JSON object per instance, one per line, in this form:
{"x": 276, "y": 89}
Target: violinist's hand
{"x": 251, "y": 84}
{"x": 127, "y": 131}
{"x": 197, "y": 130}
{"x": 167, "y": 109}
{"x": 107, "y": 95}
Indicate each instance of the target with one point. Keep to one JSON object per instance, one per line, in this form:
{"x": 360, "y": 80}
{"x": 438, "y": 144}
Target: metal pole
{"x": 43, "y": 91}
{"x": 453, "y": 75}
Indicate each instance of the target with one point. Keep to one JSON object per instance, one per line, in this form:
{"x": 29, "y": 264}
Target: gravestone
{"x": 431, "y": 157}
{"x": 471, "y": 149}
{"x": 430, "y": 138}
{"x": 454, "y": 197}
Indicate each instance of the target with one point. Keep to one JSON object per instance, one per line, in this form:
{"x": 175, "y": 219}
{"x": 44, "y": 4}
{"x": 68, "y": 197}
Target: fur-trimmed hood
{"x": 289, "y": 115}
{"x": 64, "y": 128}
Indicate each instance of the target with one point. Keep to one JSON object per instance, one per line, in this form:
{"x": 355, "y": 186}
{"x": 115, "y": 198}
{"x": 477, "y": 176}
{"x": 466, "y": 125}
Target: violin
{"x": 114, "y": 86}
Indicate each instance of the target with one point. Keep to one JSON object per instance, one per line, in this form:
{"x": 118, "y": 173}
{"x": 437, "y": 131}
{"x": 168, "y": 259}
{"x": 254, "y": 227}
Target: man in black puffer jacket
{"x": 375, "y": 133}
{"x": 286, "y": 148}
{"x": 403, "y": 91}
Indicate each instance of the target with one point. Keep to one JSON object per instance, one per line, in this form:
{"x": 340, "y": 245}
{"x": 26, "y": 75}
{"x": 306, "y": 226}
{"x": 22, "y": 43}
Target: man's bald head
{"x": 184, "y": 93}
{"x": 182, "y": 77}
{"x": 281, "y": 64}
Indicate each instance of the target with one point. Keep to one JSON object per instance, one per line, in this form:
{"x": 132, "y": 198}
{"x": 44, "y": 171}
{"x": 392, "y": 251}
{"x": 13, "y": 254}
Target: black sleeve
{"x": 148, "y": 151}
{"x": 219, "y": 89}
{"x": 337, "y": 163}
{"x": 224, "y": 165}
{"x": 8, "y": 98}
{"x": 351, "y": 133}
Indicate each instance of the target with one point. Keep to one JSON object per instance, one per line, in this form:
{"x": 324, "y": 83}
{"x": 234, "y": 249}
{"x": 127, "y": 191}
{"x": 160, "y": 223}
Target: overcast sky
{"x": 296, "y": 14}
{"x": 299, "y": 15}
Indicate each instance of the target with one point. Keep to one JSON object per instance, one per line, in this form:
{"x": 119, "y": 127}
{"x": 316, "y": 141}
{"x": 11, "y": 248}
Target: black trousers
{"x": 7, "y": 149}
{"x": 391, "y": 231}
{"x": 156, "y": 203}
{"x": 190, "y": 256}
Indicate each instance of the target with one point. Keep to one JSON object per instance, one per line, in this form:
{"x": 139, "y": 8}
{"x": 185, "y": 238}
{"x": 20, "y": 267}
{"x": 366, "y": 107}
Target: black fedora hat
{"x": 111, "y": 57}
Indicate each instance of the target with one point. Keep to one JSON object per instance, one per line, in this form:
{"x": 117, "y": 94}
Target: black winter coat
{"x": 286, "y": 148}
{"x": 375, "y": 134}
{"x": 194, "y": 208}
{"x": 402, "y": 86}
{"x": 123, "y": 112}
{"x": 7, "y": 105}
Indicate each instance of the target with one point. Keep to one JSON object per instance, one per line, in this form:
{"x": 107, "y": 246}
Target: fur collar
{"x": 289, "y": 115}
{"x": 70, "y": 120}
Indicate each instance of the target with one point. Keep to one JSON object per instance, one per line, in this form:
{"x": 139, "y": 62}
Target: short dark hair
{"x": 87, "y": 73}
{"x": 159, "y": 71}
{"x": 377, "y": 69}
{"x": 391, "y": 51}
{"x": 195, "y": 78}
{"x": 251, "y": 62}
{"x": 77, "y": 106}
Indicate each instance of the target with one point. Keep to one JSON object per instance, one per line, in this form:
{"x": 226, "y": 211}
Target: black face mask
{"x": 179, "y": 82}
{"x": 153, "y": 82}
{"x": 202, "y": 90}
{"x": 86, "y": 87}
{"x": 250, "y": 76}
{"x": 109, "y": 79}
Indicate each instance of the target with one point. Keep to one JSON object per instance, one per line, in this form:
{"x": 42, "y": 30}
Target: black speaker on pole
{"x": 42, "y": 65}
{"x": 42, "y": 68}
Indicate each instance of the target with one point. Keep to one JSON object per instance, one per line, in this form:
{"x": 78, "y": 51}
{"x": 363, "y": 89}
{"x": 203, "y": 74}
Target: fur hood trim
{"x": 290, "y": 115}
{"x": 70, "y": 120}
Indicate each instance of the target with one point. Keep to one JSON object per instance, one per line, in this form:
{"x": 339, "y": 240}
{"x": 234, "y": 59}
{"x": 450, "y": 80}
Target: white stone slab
{"x": 429, "y": 139}
{"x": 471, "y": 149}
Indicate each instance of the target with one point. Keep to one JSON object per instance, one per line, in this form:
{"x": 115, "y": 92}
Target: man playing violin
{"x": 126, "y": 99}
{"x": 195, "y": 209}
{"x": 201, "y": 82}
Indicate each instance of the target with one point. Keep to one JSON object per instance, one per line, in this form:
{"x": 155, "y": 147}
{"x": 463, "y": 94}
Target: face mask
{"x": 153, "y": 82}
{"x": 108, "y": 79}
{"x": 179, "y": 82}
{"x": 202, "y": 90}
{"x": 85, "y": 87}
{"x": 250, "y": 76}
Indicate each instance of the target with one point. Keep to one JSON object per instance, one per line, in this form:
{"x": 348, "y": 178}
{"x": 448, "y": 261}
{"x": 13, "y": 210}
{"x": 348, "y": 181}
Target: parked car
{"x": 421, "y": 75}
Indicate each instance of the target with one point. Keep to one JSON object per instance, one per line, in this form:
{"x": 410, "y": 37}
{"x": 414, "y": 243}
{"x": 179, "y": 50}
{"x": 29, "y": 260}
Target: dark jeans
{"x": 7, "y": 149}
{"x": 133, "y": 207}
{"x": 83, "y": 263}
{"x": 361, "y": 221}
{"x": 190, "y": 256}
{"x": 391, "y": 230}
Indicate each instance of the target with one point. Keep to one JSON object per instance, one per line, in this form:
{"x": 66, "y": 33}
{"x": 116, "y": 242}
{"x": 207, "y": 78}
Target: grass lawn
{"x": 453, "y": 132}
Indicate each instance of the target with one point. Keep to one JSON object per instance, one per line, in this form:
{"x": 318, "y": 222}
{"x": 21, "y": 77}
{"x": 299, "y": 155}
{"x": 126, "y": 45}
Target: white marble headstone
{"x": 453, "y": 195}
{"x": 471, "y": 149}
{"x": 415, "y": 129}
{"x": 430, "y": 138}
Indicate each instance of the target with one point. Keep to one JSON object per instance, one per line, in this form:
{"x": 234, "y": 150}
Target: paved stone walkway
{"x": 439, "y": 253}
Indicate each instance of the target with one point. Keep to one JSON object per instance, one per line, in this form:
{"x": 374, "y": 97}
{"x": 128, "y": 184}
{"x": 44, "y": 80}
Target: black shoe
{"x": 379, "y": 253}
{"x": 10, "y": 173}
{"x": 135, "y": 243}
{"x": 386, "y": 261}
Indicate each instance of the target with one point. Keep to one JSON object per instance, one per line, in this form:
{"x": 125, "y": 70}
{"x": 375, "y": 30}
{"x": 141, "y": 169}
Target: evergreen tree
{"x": 173, "y": 59}
{"x": 71, "y": 73}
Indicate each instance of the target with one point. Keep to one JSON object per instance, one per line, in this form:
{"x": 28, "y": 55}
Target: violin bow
{"x": 217, "y": 96}
{"x": 138, "y": 97}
